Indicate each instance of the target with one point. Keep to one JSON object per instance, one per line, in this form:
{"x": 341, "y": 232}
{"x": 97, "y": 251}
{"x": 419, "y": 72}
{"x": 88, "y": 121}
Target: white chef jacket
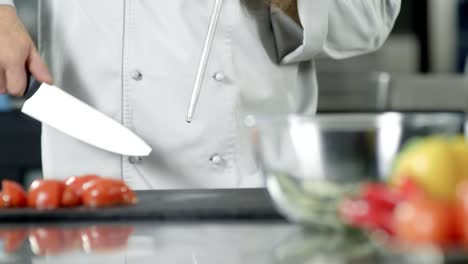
{"x": 136, "y": 61}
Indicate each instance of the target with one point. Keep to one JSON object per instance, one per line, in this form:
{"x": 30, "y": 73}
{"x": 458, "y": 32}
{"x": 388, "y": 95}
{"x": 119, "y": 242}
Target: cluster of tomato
{"x": 54, "y": 241}
{"x": 409, "y": 215}
{"x": 87, "y": 190}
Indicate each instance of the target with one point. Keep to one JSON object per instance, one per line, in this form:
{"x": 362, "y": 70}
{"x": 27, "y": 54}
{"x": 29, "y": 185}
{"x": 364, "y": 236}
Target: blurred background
{"x": 421, "y": 67}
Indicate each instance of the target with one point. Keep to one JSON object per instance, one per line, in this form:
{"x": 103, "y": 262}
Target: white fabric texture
{"x": 7, "y": 2}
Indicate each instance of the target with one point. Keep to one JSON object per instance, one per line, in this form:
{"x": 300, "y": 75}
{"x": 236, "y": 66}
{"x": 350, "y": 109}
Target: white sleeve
{"x": 334, "y": 28}
{"x": 7, "y": 2}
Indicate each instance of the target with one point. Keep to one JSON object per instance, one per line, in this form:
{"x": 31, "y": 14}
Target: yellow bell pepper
{"x": 437, "y": 164}
{"x": 460, "y": 147}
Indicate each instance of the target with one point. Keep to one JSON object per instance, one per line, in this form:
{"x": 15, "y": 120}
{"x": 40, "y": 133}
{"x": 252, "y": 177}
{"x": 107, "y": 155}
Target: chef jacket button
{"x": 219, "y": 76}
{"x": 136, "y": 75}
{"x": 135, "y": 160}
{"x": 217, "y": 160}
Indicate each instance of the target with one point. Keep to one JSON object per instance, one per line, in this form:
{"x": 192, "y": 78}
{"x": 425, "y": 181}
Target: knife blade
{"x": 56, "y": 108}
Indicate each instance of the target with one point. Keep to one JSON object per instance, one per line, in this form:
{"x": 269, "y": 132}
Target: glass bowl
{"x": 311, "y": 162}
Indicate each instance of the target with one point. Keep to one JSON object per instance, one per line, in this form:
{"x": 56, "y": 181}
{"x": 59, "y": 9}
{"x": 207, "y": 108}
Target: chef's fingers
{"x": 2, "y": 82}
{"x": 16, "y": 81}
{"x": 37, "y": 67}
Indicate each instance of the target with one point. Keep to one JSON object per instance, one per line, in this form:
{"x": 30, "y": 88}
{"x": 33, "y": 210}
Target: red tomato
{"x": 462, "y": 211}
{"x": 422, "y": 220}
{"x": 366, "y": 214}
{"x": 70, "y": 198}
{"x": 381, "y": 195}
{"x": 76, "y": 183}
{"x": 410, "y": 189}
{"x": 107, "y": 192}
{"x": 74, "y": 189}
{"x": 45, "y": 194}
{"x": 46, "y": 241}
{"x": 105, "y": 238}
{"x": 12, "y": 195}
{"x": 129, "y": 196}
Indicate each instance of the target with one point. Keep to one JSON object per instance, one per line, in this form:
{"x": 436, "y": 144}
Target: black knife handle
{"x": 31, "y": 87}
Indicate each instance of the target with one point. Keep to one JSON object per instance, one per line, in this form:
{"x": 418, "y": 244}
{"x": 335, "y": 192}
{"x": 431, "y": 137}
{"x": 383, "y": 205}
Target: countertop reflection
{"x": 243, "y": 242}
{"x": 143, "y": 242}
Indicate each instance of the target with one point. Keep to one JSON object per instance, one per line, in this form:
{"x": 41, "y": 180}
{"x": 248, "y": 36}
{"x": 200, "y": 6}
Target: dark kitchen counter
{"x": 190, "y": 226}
{"x": 164, "y": 205}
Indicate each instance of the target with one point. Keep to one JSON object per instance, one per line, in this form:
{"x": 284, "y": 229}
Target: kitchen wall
{"x": 422, "y": 62}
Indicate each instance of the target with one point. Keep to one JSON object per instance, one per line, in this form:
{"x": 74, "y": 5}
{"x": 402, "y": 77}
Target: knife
{"x": 56, "y": 108}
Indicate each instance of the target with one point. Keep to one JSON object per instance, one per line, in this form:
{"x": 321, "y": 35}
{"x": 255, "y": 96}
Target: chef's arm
{"x": 333, "y": 28}
{"x": 18, "y": 53}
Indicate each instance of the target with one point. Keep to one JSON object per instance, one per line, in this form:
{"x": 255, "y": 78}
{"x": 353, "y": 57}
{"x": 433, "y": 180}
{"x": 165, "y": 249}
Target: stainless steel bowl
{"x": 311, "y": 162}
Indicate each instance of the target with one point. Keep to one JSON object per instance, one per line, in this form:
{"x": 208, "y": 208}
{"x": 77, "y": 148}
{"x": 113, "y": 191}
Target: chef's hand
{"x": 17, "y": 54}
